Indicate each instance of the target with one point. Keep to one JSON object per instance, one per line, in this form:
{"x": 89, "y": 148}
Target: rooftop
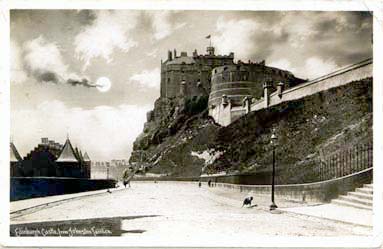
{"x": 67, "y": 154}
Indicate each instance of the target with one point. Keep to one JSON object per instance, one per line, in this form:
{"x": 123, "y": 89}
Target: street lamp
{"x": 107, "y": 170}
{"x": 274, "y": 144}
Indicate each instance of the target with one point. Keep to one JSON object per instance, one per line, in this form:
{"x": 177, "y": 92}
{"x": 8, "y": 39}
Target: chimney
{"x": 170, "y": 55}
{"x": 44, "y": 140}
{"x": 175, "y": 53}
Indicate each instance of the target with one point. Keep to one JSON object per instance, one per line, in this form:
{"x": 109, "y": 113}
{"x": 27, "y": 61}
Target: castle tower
{"x": 67, "y": 163}
{"x": 210, "y": 50}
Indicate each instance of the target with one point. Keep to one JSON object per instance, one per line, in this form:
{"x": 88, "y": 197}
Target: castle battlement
{"x": 184, "y": 76}
{"x": 188, "y": 76}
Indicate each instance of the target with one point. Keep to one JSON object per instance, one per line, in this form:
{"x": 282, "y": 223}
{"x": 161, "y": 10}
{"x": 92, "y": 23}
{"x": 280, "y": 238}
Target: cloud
{"x": 312, "y": 68}
{"x": 316, "y": 67}
{"x": 162, "y": 25}
{"x": 42, "y": 56}
{"x": 316, "y": 43}
{"x": 104, "y": 132}
{"x": 148, "y": 78}
{"x": 44, "y": 62}
{"x": 153, "y": 53}
{"x": 281, "y": 64}
{"x": 109, "y": 31}
{"x": 18, "y": 75}
{"x": 235, "y": 36}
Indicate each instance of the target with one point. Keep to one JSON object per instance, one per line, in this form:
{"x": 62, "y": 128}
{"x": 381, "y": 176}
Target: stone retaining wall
{"x": 224, "y": 115}
{"x": 31, "y": 187}
{"x": 323, "y": 191}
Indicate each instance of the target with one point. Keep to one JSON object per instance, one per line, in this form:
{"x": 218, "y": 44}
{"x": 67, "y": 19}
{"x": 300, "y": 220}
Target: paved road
{"x": 184, "y": 211}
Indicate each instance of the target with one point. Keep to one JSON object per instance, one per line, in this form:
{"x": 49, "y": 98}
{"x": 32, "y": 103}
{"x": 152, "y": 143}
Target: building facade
{"x": 188, "y": 76}
{"x": 226, "y": 83}
{"x": 50, "y": 159}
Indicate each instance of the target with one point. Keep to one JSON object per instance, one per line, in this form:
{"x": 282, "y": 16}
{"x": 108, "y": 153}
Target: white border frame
{"x": 266, "y": 241}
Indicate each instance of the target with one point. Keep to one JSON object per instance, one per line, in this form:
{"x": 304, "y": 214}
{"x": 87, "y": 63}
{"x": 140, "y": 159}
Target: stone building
{"x": 216, "y": 76}
{"x": 189, "y": 76}
{"x": 51, "y": 159}
{"x": 41, "y": 160}
{"x": 68, "y": 163}
{"x": 226, "y": 84}
{"x": 237, "y": 81}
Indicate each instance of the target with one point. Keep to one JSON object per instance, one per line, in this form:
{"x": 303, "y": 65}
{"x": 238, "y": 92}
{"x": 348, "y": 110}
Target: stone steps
{"x": 360, "y": 195}
{"x": 361, "y": 198}
{"x": 364, "y": 190}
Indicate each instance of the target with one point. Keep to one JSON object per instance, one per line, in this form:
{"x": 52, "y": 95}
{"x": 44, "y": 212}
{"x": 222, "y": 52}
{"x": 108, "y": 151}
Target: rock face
{"x": 180, "y": 139}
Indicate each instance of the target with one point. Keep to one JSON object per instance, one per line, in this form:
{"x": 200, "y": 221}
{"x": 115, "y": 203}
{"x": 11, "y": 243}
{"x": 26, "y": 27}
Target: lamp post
{"x": 107, "y": 170}
{"x": 274, "y": 144}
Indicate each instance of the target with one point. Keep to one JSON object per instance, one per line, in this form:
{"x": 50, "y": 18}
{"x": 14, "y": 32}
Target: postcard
{"x": 192, "y": 124}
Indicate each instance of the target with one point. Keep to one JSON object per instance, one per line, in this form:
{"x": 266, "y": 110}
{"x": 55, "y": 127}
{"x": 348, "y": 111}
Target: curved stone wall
{"x": 245, "y": 80}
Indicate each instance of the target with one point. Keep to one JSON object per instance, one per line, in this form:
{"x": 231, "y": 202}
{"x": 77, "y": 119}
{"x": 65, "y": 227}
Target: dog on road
{"x": 247, "y": 201}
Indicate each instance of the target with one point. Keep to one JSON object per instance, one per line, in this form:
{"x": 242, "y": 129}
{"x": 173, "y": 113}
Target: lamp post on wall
{"x": 273, "y": 139}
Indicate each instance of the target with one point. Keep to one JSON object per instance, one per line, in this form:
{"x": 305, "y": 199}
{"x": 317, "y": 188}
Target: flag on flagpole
{"x": 208, "y": 37}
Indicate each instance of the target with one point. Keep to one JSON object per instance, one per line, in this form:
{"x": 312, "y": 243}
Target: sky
{"x": 57, "y": 56}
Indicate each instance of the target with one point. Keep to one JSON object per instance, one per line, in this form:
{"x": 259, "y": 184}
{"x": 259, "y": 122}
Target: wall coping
{"x": 301, "y": 184}
{"x": 330, "y": 75}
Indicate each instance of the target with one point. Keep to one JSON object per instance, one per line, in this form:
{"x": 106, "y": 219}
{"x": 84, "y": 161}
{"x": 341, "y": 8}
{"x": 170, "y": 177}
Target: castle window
{"x": 245, "y": 76}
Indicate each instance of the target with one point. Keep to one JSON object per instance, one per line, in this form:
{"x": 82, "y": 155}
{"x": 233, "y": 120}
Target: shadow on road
{"x": 76, "y": 228}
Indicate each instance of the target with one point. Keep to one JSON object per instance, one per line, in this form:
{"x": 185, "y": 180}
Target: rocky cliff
{"x": 180, "y": 139}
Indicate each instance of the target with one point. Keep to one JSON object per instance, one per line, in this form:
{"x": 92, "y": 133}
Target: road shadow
{"x": 252, "y": 206}
{"x": 76, "y": 228}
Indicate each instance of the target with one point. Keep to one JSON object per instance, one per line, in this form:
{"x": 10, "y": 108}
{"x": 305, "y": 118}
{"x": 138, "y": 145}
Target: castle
{"x": 50, "y": 159}
{"x": 219, "y": 78}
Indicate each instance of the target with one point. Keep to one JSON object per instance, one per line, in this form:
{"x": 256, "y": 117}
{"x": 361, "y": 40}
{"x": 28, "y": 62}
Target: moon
{"x": 103, "y": 84}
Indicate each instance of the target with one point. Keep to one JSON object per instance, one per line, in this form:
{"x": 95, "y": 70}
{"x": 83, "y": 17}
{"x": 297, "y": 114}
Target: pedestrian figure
{"x": 199, "y": 184}
{"x": 247, "y": 201}
{"x": 109, "y": 191}
{"x": 209, "y": 183}
{"x": 126, "y": 183}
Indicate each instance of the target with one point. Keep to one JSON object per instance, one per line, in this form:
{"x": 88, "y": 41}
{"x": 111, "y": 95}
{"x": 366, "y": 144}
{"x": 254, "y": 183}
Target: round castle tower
{"x": 245, "y": 80}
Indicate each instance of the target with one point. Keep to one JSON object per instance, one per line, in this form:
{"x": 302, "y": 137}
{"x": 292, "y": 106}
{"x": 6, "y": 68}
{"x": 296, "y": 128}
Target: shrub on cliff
{"x": 195, "y": 104}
